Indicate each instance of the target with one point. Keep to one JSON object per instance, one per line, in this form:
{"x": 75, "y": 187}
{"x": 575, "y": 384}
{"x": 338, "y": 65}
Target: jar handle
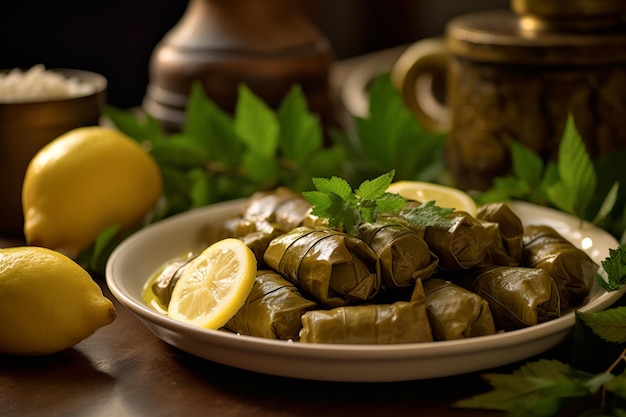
{"x": 420, "y": 73}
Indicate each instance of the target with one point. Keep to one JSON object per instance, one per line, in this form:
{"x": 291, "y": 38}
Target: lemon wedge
{"x": 214, "y": 285}
{"x": 443, "y": 196}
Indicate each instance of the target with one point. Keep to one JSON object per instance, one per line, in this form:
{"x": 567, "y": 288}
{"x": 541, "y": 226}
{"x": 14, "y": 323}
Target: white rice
{"x": 37, "y": 83}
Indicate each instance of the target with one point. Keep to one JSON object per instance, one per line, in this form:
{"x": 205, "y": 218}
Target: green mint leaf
{"x": 211, "y": 128}
{"x": 256, "y": 124}
{"x": 525, "y": 182}
{"x": 301, "y": 133}
{"x": 336, "y": 201}
{"x": 390, "y": 137}
{"x": 615, "y": 267}
{"x": 428, "y": 215}
{"x": 505, "y": 188}
{"x": 328, "y": 205}
{"x": 200, "y": 190}
{"x": 373, "y": 189}
{"x": 368, "y": 210}
{"x": 617, "y": 385}
{"x": 261, "y": 169}
{"x": 179, "y": 151}
{"x": 144, "y": 128}
{"x": 609, "y": 324}
{"x": 576, "y": 172}
{"x": 535, "y": 389}
{"x": 341, "y": 213}
{"x": 319, "y": 200}
{"x": 527, "y": 165}
{"x": 335, "y": 185}
{"x": 390, "y": 203}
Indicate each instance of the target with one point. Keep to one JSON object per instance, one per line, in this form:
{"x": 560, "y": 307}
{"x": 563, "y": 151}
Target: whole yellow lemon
{"x": 83, "y": 182}
{"x": 48, "y": 303}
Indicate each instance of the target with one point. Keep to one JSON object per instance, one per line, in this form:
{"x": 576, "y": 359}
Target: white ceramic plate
{"x": 138, "y": 257}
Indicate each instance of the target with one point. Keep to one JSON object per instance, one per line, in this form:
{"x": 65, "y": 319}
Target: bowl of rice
{"x": 36, "y": 106}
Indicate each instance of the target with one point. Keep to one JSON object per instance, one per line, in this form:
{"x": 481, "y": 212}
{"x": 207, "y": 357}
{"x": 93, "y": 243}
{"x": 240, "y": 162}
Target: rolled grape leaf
{"x": 462, "y": 246}
{"x": 572, "y": 269}
{"x": 272, "y": 310}
{"x": 506, "y": 232}
{"x": 404, "y": 255}
{"x": 282, "y": 206}
{"x": 164, "y": 283}
{"x": 333, "y": 267}
{"x": 455, "y": 312}
{"x": 259, "y": 241}
{"x": 399, "y": 322}
{"x": 518, "y": 296}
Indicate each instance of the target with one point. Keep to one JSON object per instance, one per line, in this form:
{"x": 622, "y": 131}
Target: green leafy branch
{"x": 573, "y": 184}
{"x": 548, "y": 387}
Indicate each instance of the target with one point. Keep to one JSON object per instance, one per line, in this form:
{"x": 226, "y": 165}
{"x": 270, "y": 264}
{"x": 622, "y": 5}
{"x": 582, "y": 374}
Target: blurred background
{"x": 116, "y": 38}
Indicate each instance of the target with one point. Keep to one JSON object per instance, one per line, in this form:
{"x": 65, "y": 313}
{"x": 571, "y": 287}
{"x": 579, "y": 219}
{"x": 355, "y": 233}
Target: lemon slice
{"x": 215, "y": 285}
{"x": 443, "y": 196}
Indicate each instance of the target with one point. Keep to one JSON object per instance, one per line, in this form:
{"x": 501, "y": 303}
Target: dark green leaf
{"x": 200, "y": 192}
{"x": 390, "y": 203}
{"x": 390, "y": 136}
{"x": 256, "y": 124}
{"x": 212, "y": 129}
{"x": 610, "y": 324}
{"x": 335, "y": 185}
{"x": 617, "y": 385}
{"x": 261, "y": 169}
{"x": 373, "y": 189}
{"x": 428, "y": 214}
{"x": 615, "y": 267}
{"x": 301, "y": 133}
{"x": 576, "y": 172}
{"x": 319, "y": 200}
{"x": 179, "y": 151}
{"x": 535, "y": 389}
{"x": 527, "y": 165}
{"x": 141, "y": 127}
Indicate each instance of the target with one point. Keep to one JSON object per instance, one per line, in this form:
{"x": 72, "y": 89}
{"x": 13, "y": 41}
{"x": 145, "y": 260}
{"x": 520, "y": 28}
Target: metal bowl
{"x": 26, "y": 126}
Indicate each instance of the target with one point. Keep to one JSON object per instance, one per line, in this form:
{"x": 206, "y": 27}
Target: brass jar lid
{"x": 499, "y": 36}
{"x": 569, "y": 15}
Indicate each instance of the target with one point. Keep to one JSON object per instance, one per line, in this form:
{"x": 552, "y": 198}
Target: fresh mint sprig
{"x": 615, "y": 267}
{"x": 370, "y": 202}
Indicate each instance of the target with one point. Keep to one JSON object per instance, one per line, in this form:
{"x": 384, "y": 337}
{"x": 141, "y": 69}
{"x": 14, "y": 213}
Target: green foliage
{"x": 390, "y": 138}
{"x": 536, "y": 389}
{"x": 218, "y": 156}
{"x": 615, "y": 267}
{"x": 573, "y": 190}
{"x": 610, "y": 324}
{"x": 595, "y": 386}
{"x": 574, "y": 184}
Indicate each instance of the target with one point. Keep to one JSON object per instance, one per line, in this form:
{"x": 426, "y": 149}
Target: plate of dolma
{"x": 462, "y": 340}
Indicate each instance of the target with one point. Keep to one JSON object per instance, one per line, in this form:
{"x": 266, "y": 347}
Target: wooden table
{"x": 123, "y": 370}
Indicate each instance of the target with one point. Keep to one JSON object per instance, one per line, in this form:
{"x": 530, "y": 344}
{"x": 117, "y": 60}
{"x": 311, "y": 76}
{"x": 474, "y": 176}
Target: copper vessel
{"x": 269, "y": 45}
